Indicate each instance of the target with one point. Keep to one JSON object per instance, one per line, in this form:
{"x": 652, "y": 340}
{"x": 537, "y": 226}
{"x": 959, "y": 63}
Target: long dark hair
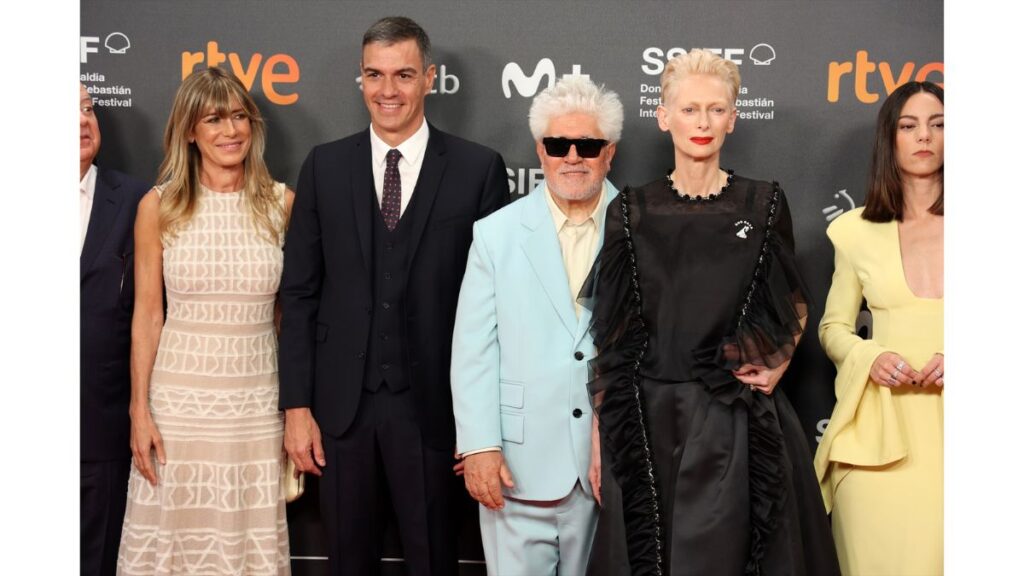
{"x": 885, "y": 190}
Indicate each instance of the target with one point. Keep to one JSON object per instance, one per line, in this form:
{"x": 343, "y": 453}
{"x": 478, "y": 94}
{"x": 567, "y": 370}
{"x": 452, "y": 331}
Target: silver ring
{"x": 938, "y": 372}
{"x": 894, "y": 375}
{"x": 891, "y": 381}
{"x": 900, "y": 365}
{"x": 753, "y": 388}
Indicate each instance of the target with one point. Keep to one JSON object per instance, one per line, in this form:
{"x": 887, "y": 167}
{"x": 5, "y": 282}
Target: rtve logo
{"x": 528, "y": 86}
{"x": 275, "y": 70}
{"x": 861, "y": 68}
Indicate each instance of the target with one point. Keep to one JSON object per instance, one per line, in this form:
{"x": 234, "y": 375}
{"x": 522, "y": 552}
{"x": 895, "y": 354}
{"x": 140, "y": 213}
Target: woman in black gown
{"x": 698, "y": 309}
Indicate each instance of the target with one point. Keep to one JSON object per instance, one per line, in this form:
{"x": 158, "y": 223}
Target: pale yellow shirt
{"x": 578, "y": 241}
{"x": 86, "y": 191}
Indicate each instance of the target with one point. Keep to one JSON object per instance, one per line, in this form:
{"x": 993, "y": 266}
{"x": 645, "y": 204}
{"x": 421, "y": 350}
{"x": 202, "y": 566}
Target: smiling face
{"x": 919, "y": 136}
{"x": 88, "y": 131}
{"x": 573, "y": 178}
{"x": 698, "y": 112}
{"x": 394, "y": 88}
{"x": 223, "y": 138}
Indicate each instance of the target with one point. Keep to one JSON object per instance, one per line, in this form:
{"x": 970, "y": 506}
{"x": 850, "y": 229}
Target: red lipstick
{"x": 703, "y": 140}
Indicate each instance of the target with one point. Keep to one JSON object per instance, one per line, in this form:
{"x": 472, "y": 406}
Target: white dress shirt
{"x": 86, "y": 191}
{"x": 409, "y": 164}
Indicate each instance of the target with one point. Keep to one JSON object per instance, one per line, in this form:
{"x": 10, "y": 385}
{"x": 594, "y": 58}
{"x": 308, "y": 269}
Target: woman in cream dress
{"x": 879, "y": 462}
{"x": 204, "y": 495}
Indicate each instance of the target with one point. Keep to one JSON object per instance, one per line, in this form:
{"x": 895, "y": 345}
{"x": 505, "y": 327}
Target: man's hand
{"x": 594, "y": 474}
{"x": 302, "y": 441}
{"x": 485, "y": 472}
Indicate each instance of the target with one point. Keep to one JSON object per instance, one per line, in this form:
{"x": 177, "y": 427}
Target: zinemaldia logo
{"x": 748, "y": 106}
{"x": 93, "y": 76}
{"x": 529, "y": 85}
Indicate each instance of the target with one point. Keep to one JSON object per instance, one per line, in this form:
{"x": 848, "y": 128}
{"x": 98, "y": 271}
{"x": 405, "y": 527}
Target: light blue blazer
{"x": 519, "y": 354}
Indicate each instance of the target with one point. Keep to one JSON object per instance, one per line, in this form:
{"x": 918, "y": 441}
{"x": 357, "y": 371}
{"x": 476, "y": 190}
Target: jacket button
{"x": 578, "y": 355}
{"x": 576, "y": 413}
{"x": 361, "y": 355}
{"x": 385, "y": 366}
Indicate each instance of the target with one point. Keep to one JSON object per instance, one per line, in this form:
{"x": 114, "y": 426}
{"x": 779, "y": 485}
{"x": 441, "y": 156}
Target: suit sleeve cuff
{"x": 479, "y": 450}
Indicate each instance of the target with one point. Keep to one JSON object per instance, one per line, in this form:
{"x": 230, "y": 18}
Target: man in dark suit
{"x": 374, "y": 257}
{"x": 108, "y": 200}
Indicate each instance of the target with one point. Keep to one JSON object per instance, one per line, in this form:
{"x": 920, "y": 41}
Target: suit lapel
{"x": 106, "y": 203}
{"x": 427, "y": 186}
{"x": 544, "y": 253}
{"x": 363, "y": 192}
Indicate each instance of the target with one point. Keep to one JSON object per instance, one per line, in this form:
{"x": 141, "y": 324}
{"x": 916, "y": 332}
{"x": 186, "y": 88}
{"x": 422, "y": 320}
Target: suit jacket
{"x": 106, "y": 299}
{"x": 327, "y": 289}
{"x": 520, "y": 358}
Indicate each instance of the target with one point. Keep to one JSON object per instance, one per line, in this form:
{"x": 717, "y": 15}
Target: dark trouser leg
{"x": 104, "y": 492}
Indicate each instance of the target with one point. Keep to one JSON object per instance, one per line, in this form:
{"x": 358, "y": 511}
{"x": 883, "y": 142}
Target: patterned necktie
{"x": 391, "y": 203}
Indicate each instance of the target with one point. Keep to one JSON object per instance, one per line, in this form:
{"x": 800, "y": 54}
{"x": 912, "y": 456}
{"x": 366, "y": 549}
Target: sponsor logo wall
{"x": 814, "y": 77}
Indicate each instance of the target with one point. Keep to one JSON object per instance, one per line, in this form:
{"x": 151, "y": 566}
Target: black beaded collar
{"x": 698, "y": 199}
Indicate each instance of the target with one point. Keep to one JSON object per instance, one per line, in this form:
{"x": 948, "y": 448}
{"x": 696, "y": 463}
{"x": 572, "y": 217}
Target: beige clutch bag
{"x": 293, "y": 487}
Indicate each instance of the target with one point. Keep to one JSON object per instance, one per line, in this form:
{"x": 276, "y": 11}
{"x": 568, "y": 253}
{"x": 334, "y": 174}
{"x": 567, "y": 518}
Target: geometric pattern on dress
{"x": 171, "y": 401}
{"x": 226, "y": 487}
{"x": 218, "y": 506}
{"x": 150, "y": 551}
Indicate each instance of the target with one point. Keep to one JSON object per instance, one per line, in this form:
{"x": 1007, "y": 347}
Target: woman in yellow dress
{"x": 879, "y": 462}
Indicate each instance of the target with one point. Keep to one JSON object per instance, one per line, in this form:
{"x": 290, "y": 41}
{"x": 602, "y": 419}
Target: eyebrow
{"x": 932, "y": 117}
{"x": 406, "y": 70}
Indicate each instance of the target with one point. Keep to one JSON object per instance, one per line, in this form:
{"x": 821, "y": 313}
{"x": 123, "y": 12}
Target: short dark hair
{"x": 885, "y": 188}
{"x": 392, "y": 29}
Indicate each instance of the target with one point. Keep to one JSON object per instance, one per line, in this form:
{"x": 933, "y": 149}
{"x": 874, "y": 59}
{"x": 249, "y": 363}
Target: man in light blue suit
{"x": 521, "y": 346}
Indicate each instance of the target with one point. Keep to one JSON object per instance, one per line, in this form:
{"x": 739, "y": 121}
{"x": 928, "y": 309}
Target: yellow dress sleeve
{"x": 864, "y": 429}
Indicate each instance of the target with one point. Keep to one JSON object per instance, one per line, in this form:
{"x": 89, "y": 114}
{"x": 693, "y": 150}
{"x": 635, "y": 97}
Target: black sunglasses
{"x": 585, "y": 147}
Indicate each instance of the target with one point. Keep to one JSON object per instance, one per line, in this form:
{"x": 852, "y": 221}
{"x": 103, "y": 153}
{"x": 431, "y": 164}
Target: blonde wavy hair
{"x": 216, "y": 89}
{"x": 699, "y": 61}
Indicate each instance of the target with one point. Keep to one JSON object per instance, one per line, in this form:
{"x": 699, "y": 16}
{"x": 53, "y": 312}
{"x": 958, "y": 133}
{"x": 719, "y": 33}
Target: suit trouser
{"x": 539, "y": 538}
{"x": 104, "y": 492}
{"x": 384, "y": 450}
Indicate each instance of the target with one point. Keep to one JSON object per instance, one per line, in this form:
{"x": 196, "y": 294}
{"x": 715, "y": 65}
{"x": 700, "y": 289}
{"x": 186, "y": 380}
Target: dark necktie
{"x": 391, "y": 203}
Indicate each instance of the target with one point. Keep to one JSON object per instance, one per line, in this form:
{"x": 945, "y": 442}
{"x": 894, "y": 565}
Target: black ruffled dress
{"x": 701, "y": 475}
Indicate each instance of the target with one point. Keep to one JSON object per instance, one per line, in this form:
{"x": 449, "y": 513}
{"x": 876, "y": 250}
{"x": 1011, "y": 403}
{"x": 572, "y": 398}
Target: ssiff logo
{"x": 115, "y": 43}
{"x": 862, "y": 69}
{"x": 276, "y": 70}
{"x": 528, "y": 86}
{"x": 834, "y": 211}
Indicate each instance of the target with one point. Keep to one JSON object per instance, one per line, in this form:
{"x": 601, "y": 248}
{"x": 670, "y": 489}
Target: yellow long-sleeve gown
{"x": 879, "y": 462}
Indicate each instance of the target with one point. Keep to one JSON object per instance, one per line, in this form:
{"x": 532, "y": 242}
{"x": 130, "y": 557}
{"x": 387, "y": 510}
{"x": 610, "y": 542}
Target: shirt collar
{"x": 412, "y": 148}
{"x": 597, "y": 216}
{"x": 88, "y": 183}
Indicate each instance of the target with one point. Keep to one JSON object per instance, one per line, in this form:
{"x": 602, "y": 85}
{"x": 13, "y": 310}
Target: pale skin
{"x": 219, "y": 174}
{"x": 919, "y": 154}
{"x": 699, "y": 113}
{"x": 575, "y": 184}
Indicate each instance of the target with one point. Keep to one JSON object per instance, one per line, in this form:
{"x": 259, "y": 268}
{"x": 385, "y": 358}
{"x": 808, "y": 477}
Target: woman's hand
{"x": 145, "y": 438}
{"x": 934, "y": 371}
{"x": 892, "y": 371}
{"x": 760, "y": 378}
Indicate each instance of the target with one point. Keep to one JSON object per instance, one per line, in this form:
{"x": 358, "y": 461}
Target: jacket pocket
{"x": 512, "y": 428}
{"x": 511, "y": 395}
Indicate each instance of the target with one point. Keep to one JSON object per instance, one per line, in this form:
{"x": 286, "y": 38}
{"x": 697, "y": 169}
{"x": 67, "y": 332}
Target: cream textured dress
{"x": 879, "y": 462}
{"x": 218, "y": 507}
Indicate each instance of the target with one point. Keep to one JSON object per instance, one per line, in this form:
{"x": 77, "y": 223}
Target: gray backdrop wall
{"x": 814, "y": 75}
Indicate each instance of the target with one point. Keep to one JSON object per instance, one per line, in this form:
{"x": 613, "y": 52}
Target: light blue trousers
{"x": 539, "y": 538}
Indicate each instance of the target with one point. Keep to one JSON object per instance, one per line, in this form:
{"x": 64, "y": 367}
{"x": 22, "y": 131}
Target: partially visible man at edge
{"x": 108, "y": 200}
